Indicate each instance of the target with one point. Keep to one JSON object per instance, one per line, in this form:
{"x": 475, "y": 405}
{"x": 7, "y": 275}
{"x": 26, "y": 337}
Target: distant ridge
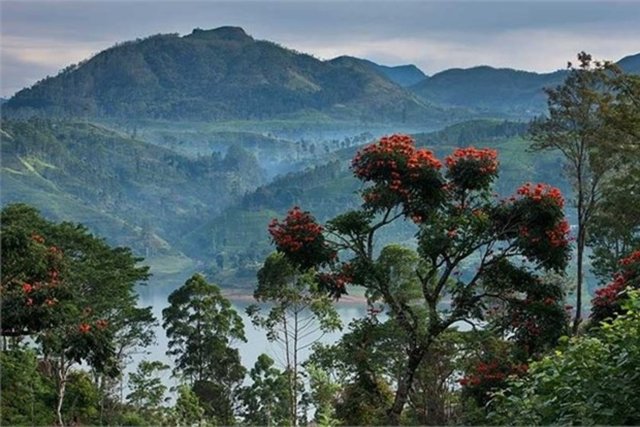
{"x": 403, "y": 75}
{"x": 498, "y": 91}
{"x": 218, "y": 74}
{"x": 630, "y": 64}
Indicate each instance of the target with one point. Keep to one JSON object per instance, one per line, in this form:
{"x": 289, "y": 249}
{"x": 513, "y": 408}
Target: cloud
{"x": 27, "y": 60}
{"x": 46, "y": 36}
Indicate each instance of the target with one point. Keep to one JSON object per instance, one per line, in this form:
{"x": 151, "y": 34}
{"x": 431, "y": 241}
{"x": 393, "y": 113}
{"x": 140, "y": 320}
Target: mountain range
{"x": 225, "y": 74}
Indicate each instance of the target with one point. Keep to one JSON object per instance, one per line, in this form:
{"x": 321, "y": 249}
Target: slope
{"x": 213, "y": 75}
{"x": 137, "y": 194}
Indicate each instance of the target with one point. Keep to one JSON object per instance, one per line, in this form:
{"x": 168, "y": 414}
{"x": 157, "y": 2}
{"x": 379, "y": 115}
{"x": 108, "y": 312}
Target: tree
{"x": 33, "y": 268}
{"x": 68, "y": 299}
{"x": 147, "y": 390}
{"x": 589, "y": 380}
{"x": 24, "y": 391}
{"x": 465, "y": 239}
{"x": 266, "y": 400}
{"x": 579, "y": 126}
{"x": 201, "y": 326}
{"x": 609, "y": 300}
{"x": 300, "y": 314}
{"x": 187, "y": 410}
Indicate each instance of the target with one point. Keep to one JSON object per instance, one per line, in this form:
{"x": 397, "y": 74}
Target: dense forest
{"x": 470, "y": 254}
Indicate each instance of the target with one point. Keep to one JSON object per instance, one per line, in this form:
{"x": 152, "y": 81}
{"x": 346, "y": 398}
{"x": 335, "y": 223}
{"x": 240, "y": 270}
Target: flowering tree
{"x": 66, "y": 289}
{"x": 608, "y": 300}
{"x": 472, "y": 247}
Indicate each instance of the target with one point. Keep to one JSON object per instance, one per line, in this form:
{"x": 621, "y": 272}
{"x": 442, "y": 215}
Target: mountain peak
{"x": 222, "y": 33}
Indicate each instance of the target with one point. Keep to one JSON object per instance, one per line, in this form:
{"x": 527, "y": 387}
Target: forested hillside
{"x": 218, "y": 74}
{"x": 136, "y": 193}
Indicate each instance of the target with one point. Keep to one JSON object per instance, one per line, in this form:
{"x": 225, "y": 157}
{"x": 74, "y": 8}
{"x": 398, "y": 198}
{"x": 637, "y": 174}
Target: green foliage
{"x": 187, "y": 410}
{"x": 201, "y": 326}
{"x": 300, "y": 313}
{"x": 590, "y": 380}
{"x": 147, "y": 390}
{"x": 76, "y": 326}
{"x": 583, "y": 129}
{"x": 26, "y": 396}
{"x": 265, "y": 401}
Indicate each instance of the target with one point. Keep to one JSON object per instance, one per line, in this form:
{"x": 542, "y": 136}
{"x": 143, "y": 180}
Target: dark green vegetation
{"x": 219, "y": 74}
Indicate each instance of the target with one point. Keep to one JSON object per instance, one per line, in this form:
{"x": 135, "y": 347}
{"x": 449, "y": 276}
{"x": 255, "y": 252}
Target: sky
{"x": 39, "y": 38}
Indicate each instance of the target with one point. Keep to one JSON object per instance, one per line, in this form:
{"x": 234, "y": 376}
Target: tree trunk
{"x": 62, "y": 385}
{"x": 404, "y": 386}
{"x": 580, "y": 254}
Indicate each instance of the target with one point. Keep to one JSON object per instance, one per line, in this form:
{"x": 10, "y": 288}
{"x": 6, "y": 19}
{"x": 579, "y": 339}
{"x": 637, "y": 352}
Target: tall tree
{"x": 201, "y": 326}
{"x": 300, "y": 314}
{"x": 579, "y": 126}
{"x": 466, "y": 238}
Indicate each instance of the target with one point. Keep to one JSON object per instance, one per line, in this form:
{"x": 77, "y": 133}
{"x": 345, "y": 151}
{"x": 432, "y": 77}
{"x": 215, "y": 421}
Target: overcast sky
{"x": 41, "y": 37}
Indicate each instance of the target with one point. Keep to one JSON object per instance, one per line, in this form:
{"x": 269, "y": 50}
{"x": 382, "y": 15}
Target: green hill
{"x": 402, "y": 75}
{"x": 136, "y": 194}
{"x": 502, "y": 92}
{"x": 215, "y": 75}
{"x": 490, "y": 90}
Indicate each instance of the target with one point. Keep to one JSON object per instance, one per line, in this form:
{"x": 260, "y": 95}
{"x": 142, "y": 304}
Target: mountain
{"x": 490, "y": 90}
{"x": 213, "y": 75}
{"x": 402, "y": 75}
{"x": 630, "y": 64}
{"x": 498, "y": 91}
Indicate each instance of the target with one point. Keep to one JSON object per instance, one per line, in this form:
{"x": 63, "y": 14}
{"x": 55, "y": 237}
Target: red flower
{"x": 541, "y": 192}
{"x": 486, "y": 158}
{"x": 27, "y": 288}
{"x": 84, "y": 328}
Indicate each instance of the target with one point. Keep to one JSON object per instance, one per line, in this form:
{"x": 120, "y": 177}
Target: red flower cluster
{"x": 300, "y": 239}
{"x": 559, "y": 235}
{"x": 402, "y": 174}
{"x": 607, "y": 300}
{"x": 541, "y": 192}
{"x": 631, "y": 259}
{"x": 27, "y": 288}
{"x": 298, "y": 229}
{"x": 334, "y": 283}
{"x": 84, "y": 328}
{"x": 486, "y": 158}
{"x": 37, "y": 238}
{"x": 392, "y": 154}
{"x": 608, "y": 295}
